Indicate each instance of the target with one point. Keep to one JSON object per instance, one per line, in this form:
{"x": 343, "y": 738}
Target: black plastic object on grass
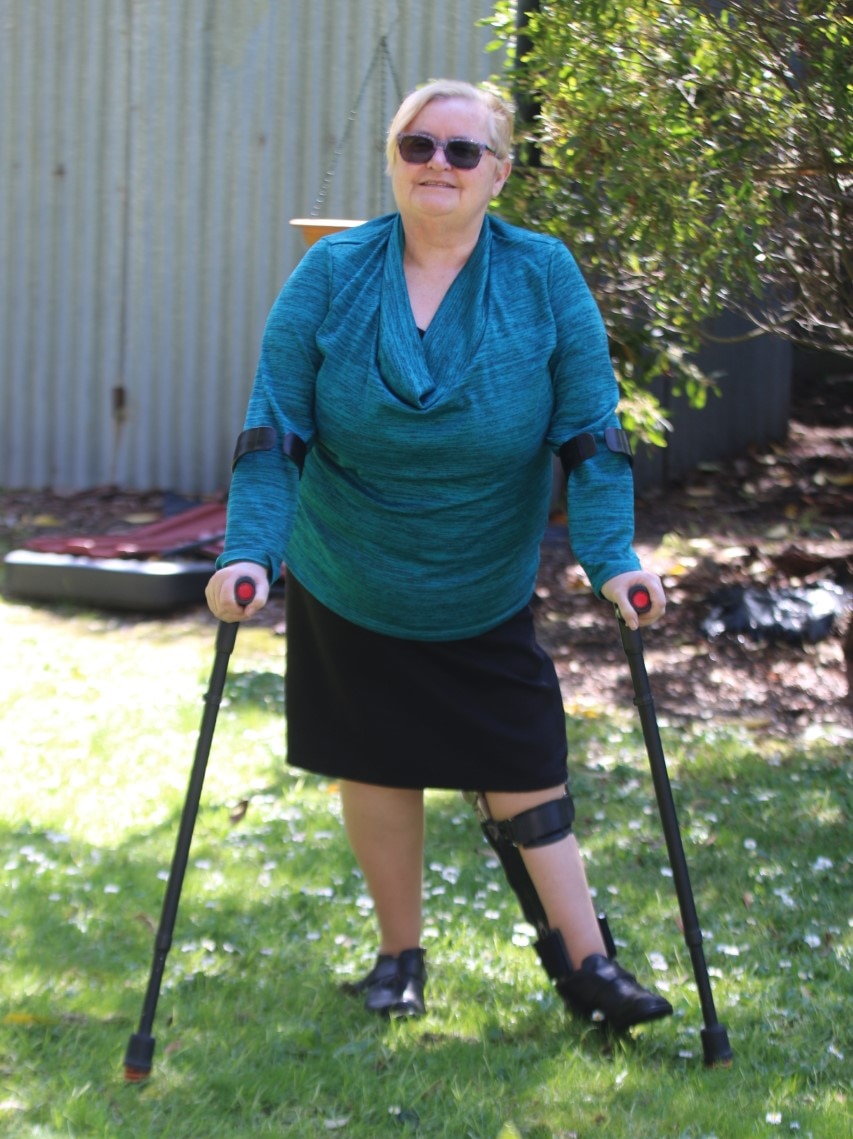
{"x": 140, "y": 1050}
{"x": 715, "y": 1040}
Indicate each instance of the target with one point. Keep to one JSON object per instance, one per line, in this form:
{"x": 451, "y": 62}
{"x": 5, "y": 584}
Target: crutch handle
{"x": 244, "y": 591}
{"x": 640, "y": 598}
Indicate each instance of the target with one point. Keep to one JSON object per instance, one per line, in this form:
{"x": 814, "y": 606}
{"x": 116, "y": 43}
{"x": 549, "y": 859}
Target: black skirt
{"x": 482, "y": 713}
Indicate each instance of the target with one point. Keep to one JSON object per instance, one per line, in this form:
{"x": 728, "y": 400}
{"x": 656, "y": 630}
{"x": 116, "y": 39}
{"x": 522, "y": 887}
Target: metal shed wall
{"x": 753, "y": 376}
{"x": 152, "y": 153}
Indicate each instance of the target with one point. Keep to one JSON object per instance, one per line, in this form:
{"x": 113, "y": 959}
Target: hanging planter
{"x": 315, "y": 228}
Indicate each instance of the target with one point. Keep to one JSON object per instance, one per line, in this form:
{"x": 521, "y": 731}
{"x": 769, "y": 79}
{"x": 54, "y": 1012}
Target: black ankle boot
{"x": 379, "y": 987}
{"x": 411, "y": 976}
{"x": 603, "y": 991}
{"x": 394, "y": 986}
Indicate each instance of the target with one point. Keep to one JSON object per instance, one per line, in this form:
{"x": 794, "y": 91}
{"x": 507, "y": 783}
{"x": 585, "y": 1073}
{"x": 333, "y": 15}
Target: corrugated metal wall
{"x": 152, "y": 153}
{"x": 754, "y": 378}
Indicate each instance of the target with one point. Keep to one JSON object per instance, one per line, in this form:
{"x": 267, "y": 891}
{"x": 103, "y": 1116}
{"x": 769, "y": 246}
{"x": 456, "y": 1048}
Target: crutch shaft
{"x": 644, "y": 701}
{"x": 140, "y": 1050}
{"x": 715, "y": 1041}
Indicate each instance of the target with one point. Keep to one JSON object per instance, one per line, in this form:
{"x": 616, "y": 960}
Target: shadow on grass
{"x": 263, "y": 690}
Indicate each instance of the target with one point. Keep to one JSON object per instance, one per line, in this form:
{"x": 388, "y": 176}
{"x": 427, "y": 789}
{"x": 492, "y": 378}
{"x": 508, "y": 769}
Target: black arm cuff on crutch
{"x": 582, "y": 447}
{"x": 265, "y": 439}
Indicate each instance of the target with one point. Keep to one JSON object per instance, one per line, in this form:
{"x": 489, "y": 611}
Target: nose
{"x": 434, "y": 160}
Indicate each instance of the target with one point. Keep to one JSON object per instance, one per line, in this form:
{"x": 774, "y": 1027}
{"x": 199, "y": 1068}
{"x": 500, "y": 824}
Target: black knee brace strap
{"x": 547, "y": 823}
{"x": 265, "y": 439}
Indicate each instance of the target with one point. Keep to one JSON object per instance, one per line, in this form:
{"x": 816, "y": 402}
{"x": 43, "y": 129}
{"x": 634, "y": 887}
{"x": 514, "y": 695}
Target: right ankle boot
{"x": 394, "y": 986}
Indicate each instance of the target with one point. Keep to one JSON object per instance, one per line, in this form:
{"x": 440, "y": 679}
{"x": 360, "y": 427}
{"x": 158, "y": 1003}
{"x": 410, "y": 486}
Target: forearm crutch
{"x": 140, "y": 1049}
{"x": 715, "y": 1041}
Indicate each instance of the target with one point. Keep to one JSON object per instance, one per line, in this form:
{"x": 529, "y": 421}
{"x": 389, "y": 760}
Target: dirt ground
{"x": 775, "y": 519}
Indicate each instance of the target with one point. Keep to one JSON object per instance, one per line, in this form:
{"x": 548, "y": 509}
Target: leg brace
{"x": 540, "y": 826}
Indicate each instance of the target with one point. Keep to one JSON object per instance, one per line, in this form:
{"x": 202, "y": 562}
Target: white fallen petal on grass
{"x": 785, "y": 898}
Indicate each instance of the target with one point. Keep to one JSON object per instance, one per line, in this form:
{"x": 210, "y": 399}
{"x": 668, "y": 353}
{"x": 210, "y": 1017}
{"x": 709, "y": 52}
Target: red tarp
{"x": 199, "y": 530}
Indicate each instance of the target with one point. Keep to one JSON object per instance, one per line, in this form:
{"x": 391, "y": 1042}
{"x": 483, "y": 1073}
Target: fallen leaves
{"x": 239, "y": 812}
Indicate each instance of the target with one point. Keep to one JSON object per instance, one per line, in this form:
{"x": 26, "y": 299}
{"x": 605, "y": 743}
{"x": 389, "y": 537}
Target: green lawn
{"x": 99, "y": 720}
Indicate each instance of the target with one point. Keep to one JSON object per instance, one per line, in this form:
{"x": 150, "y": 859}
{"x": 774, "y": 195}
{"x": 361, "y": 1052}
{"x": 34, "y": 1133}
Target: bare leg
{"x": 385, "y": 828}
{"x": 558, "y": 874}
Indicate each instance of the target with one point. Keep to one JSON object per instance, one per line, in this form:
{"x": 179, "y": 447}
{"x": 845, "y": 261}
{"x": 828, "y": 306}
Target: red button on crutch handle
{"x": 640, "y": 598}
{"x": 244, "y": 591}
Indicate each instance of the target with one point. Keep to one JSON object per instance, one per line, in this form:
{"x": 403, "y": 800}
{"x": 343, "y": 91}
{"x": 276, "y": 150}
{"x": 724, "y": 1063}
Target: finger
{"x": 629, "y": 614}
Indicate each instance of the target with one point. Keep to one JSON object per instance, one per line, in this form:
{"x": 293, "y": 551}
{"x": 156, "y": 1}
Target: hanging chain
{"x": 381, "y": 52}
{"x": 378, "y": 177}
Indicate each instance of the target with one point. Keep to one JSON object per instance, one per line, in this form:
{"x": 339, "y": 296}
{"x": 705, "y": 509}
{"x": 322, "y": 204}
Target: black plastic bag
{"x": 797, "y": 615}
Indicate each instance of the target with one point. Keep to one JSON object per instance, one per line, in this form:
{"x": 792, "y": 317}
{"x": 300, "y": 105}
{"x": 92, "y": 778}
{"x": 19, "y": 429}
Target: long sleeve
{"x": 265, "y": 487}
{"x": 263, "y": 497}
{"x": 600, "y": 492}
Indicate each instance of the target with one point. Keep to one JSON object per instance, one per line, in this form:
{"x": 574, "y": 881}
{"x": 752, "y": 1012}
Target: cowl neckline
{"x": 420, "y": 369}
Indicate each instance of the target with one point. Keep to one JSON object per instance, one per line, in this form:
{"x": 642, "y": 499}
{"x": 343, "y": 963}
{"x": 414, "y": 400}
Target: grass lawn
{"x": 99, "y": 720}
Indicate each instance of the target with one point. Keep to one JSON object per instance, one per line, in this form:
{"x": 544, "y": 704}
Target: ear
{"x": 502, "y": 172}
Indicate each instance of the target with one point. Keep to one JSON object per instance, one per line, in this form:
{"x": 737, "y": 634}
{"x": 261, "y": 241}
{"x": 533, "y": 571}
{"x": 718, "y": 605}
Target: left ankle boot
{"x": 599, "y": 990}
{"x": 603, "y": 991}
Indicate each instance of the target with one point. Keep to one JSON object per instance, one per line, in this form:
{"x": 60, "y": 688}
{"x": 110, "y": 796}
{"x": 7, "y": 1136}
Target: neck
{"x": 435, "y": 245}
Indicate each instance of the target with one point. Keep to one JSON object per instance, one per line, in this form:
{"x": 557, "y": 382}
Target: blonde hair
{"x": 501, "y": 114}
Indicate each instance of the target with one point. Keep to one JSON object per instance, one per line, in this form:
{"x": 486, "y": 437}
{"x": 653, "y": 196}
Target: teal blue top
{"x": 427, "y": 484}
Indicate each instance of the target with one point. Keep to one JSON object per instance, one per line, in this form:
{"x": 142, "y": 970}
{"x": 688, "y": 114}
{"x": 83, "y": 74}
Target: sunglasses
{"x": 463, "y": 153}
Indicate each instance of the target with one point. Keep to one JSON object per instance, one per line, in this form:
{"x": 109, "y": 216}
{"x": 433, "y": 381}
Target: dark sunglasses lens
{"x": 416, "y": 148}
{"x": 463, "y": 154}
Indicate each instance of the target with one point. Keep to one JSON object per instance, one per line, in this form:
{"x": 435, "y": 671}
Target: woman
{"x": 431, "y": 362}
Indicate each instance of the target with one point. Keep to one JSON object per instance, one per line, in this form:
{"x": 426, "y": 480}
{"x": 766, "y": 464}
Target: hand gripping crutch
{"x": 715, "y": 1041}
{"x": 140, "y": 1049}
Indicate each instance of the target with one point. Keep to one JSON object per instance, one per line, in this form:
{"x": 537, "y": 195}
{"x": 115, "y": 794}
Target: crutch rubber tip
{"x": 135, "y": 1075}
{"x": 138, "y": 1058}
{"x": 715, "y": 1047}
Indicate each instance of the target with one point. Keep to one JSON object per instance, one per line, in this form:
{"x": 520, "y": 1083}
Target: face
{"x": 437, "y": 189}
